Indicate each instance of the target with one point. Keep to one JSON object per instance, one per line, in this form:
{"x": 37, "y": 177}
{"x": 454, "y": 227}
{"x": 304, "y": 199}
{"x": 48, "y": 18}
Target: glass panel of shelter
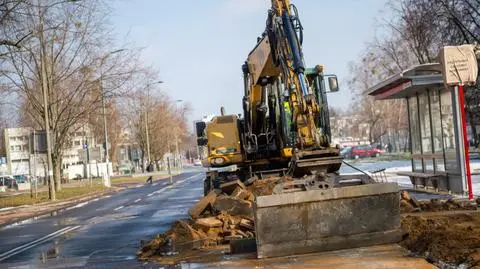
{"x": 414, "y": 126}
{"x": 437, "y": 129}
{"x": 448, "y": 131}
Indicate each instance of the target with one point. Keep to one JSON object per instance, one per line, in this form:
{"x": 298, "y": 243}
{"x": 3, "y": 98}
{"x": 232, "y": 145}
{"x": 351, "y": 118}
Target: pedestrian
{"x": 390, "y": 147}
{"x": 149, "y": 180}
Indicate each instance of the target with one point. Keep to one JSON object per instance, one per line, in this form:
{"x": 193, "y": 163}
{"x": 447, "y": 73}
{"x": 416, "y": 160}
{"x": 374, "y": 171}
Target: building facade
{"x": 20, "y": 142}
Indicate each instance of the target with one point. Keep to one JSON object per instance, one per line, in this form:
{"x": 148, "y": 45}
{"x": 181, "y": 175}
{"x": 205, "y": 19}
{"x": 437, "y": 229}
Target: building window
{"x": 20, "y": 138}
{"x": 12, "y": 148}
{"x": 13, "y": 138}
{"x": 77, "y": 143}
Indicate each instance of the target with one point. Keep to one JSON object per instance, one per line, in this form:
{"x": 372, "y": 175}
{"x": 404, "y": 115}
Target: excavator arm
{"x": 279, "y": 53}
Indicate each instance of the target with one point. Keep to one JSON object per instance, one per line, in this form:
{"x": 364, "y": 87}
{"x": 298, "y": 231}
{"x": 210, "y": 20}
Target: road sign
{"x": 459, "y": 64}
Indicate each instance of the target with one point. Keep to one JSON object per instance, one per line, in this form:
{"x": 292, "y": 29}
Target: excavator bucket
{"x": 328, "y": 219}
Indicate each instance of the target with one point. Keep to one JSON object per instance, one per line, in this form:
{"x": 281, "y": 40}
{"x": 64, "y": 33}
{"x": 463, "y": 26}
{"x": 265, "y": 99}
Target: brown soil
{"x": 449, "y": 237}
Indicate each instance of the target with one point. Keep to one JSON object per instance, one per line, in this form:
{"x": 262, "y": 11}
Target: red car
{"x": 361, "y": 151}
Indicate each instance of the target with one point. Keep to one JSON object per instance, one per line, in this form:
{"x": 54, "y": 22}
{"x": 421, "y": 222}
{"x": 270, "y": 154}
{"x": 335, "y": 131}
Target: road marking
{"x": 76, "y": 206}
{"x": 138, "y": 200}
{"x": 118, "y": 208}
{"x": 37, "y": 242}
{"x": 155, "y": 184}
{"x": 160, "y": 190}
{"x": 169, "y": 186}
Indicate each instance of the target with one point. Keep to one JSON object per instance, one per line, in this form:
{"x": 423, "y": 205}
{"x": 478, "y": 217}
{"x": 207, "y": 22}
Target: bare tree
{"x": 64, "y": 58}
{"x": 161, "y": 117}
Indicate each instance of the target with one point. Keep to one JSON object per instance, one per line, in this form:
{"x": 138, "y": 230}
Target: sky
{"x": 199, "y": 47}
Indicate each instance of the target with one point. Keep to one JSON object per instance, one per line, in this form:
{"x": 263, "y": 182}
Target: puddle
{"x": 23, "y": 222}
{"x": 51, "y": 253}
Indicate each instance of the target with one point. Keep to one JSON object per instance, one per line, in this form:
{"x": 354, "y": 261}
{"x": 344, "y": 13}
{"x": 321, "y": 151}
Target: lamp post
{"x": 177, "y": 154}
{"x": 146, "y": 119}
{"x": 107, "y": 175}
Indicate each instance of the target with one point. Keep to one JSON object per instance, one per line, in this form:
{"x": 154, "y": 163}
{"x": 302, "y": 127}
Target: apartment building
{"x": 17, "y": 145}
{"x": 19, "y": 150}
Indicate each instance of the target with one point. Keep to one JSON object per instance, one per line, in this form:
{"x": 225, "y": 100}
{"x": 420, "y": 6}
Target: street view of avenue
{"x": 239, "y": 134}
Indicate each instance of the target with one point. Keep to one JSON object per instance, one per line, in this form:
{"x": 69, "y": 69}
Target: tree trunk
{"x": 474, "y": 130}
{"x": 370, "y": 135}
{"x": 157, "y": 164}
{"x": 57, "y": 173}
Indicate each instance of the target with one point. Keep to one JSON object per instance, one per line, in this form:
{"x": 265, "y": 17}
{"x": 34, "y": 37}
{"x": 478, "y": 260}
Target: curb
{"x": 68, "y": 203}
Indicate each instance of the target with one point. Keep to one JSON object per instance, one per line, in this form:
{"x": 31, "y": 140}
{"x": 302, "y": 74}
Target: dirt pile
{"x": 444, "y": 237}
{"x": 409, "y": 204}
{"x": 222, "y": 216}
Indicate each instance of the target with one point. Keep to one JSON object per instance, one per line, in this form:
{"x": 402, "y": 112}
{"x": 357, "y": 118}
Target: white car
{"x": 197, "y": 163}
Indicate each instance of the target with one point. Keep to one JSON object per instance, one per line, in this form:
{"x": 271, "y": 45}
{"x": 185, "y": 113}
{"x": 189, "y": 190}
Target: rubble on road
{"x": 442, "y": 231}
{"x": 409, "y": 204}
{"x": 224, "y": 216}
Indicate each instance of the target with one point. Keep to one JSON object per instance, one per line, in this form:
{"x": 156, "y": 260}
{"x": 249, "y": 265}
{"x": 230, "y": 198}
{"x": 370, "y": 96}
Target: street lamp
{"x": 107, "y": 176}
{"x": 146, "y": 118}
{"x": 177, "y": 154}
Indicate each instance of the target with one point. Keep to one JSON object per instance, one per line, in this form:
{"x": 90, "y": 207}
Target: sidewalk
{"x": 19, "y": 213}
{"x": 42, "y": 188}
{"x": 9, "y": 215}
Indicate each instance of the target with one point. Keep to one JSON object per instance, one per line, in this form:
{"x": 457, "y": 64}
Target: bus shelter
{"x": 435, "y": 130}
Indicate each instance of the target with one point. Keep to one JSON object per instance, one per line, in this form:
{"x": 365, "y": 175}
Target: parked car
{"x": 345, "y": 152}
{"x": 361, "y": 151}
{"x": 7, "y": 181}
{"x": 197, "y": 163}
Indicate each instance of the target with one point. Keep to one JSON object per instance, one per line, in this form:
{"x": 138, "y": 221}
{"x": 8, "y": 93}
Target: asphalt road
{"x": 103, "y": 233}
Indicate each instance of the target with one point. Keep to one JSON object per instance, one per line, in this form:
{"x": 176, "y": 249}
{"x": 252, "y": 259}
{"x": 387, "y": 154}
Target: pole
{"x": 30, "y": 167}
{"x": 146, "y": 120}
{"x": 89, "y": 170}
{"x": 170, "y": 180}
{"x": 146, "y": 130}
{"x": 35, "y": 164}
{"x": 177, "y": 154}
{"x": 85, "y": 137}
{"x": 51, "y": 187}
{"x": 465, "y": 141}
{"x": 107, "y": 175}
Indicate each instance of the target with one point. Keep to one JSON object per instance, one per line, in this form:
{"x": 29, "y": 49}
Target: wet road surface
{"x": 106, "y": 233}
{"x": 103, "y": 233}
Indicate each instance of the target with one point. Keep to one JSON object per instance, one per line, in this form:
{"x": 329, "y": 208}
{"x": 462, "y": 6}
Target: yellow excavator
{"x": 285, "y": 133}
